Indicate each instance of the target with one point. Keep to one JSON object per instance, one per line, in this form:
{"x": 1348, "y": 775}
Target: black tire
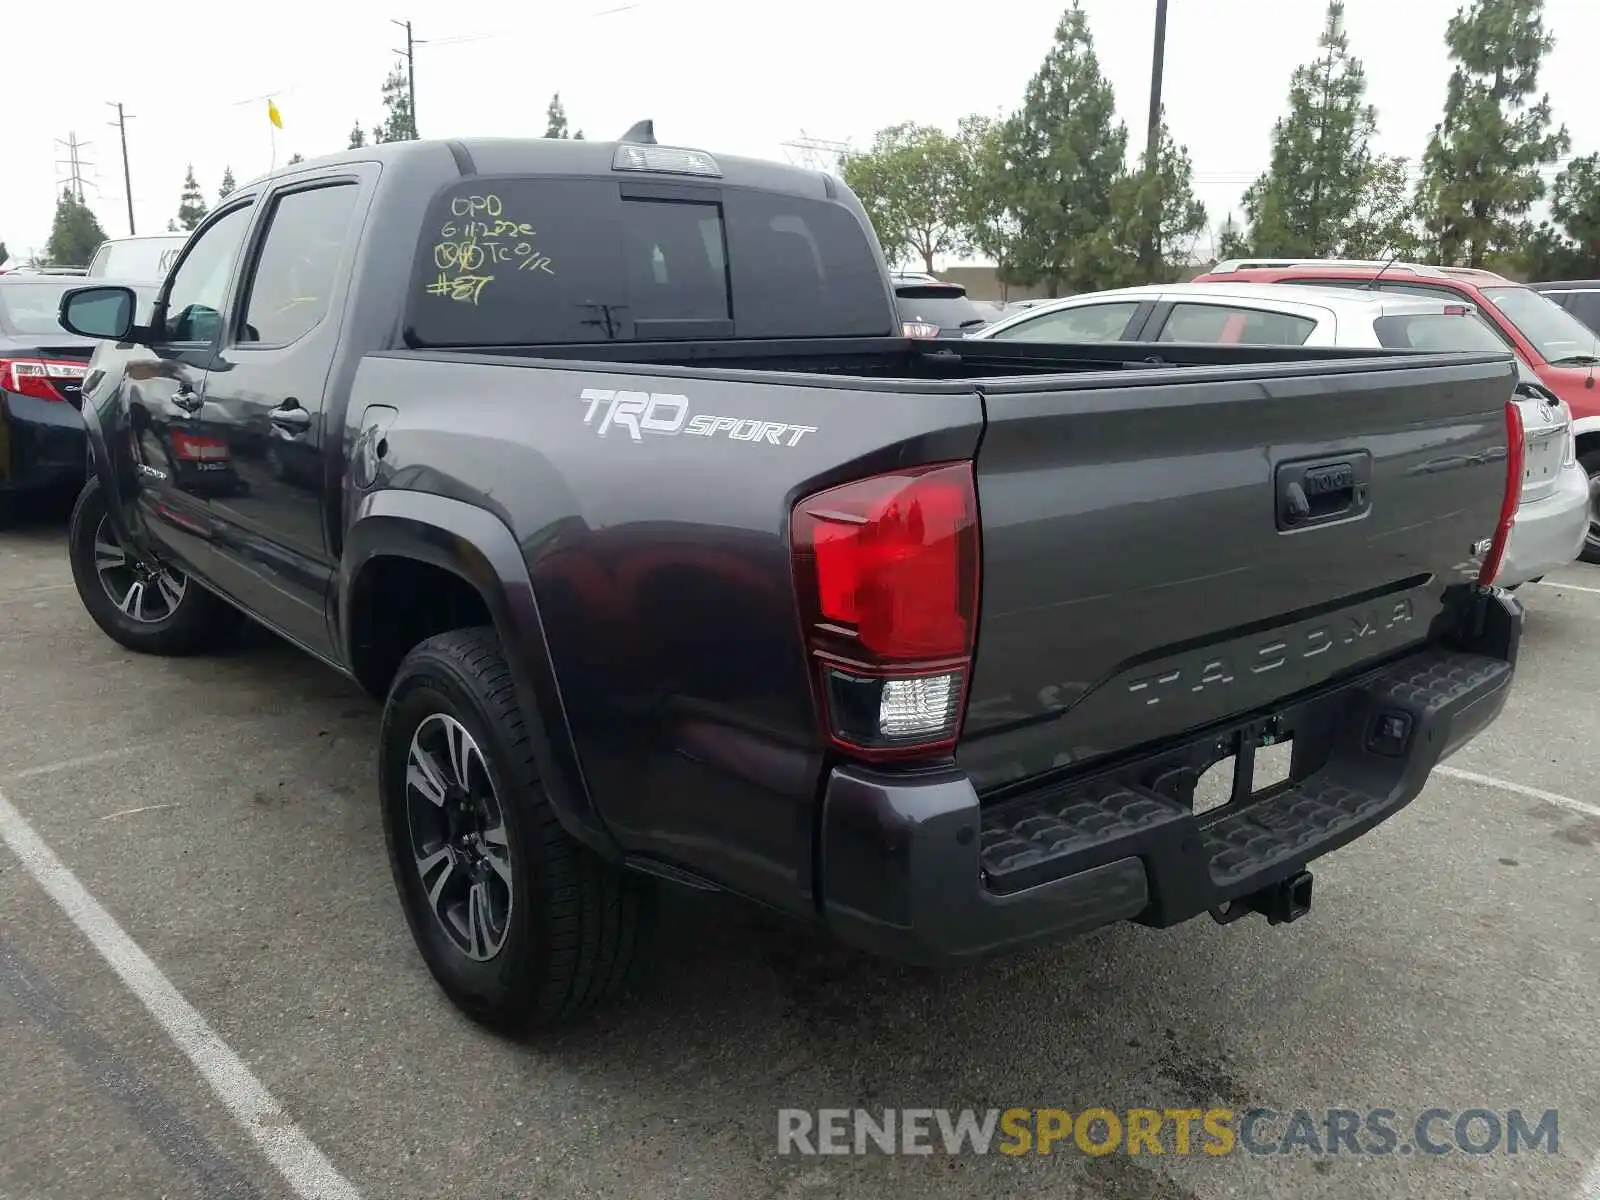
{"x": 1591, "y": 545}
{"x": 574, "y": 925}
{"x": 195, "y": 622}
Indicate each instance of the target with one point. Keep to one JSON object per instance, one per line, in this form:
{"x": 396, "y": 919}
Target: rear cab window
{"x": 529, "y": 260}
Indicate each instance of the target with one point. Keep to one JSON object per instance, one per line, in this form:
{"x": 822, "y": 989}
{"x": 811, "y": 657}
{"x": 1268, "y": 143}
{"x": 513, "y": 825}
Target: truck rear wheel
{"x": 520, "y": 925}
{"x": 143, "y": 605}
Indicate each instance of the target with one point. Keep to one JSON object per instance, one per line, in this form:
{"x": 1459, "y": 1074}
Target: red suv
{"x": 1560, "y": 349}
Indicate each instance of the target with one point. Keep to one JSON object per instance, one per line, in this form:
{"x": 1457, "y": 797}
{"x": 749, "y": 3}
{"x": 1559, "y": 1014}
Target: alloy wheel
{"x": 145, "y": 591}
{"x": 458, "y": 837}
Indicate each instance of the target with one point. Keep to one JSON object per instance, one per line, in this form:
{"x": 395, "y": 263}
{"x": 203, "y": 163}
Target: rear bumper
{"x": 42, "y": 443}
{"x": 917, "y": 868}
{"x": 1548, "y": 533}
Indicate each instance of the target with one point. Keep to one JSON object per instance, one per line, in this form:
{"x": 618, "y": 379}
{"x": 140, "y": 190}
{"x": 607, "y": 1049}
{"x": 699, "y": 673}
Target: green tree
{"x": 910, "y": 184}
{"x": 1060, "y": 159}
{"x": 399, "y": 125}
{"x": 225, "y": 188}
{"x": 555, "y": 118}
{"x": 191, "y": 204}
{"x": 3, "y": 254}
{"x": 75, "y": 234}
{"x": 1233, "y": 240}
{"x": 989, "y": 226}
{"x": 1481, "y": 170}
{"x": 1163, "y": 204}
{"x": 1384, "y": 222}
{"x": 358, "y": 137}
{"x": 1313, "y": 191}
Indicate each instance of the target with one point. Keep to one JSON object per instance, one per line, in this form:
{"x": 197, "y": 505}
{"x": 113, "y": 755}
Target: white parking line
{"x": 1522, "y": 789}
{"x": 1571, "y": 587}
{"x": 305, "y": 1168}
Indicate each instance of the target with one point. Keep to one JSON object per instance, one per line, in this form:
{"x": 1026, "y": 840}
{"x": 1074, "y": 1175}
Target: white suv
{"x": 1554, "y": 509}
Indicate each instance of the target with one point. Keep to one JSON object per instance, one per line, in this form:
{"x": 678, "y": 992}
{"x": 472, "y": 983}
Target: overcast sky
{"x": 736, "y": 77}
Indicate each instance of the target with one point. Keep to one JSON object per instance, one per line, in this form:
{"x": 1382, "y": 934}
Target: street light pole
{"x": 1152, "y": 146}
{"x": 411, "y": 74}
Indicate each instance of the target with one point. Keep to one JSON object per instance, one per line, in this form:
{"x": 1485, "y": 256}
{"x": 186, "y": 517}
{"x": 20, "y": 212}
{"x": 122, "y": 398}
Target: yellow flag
{"x": 273, "y": 114}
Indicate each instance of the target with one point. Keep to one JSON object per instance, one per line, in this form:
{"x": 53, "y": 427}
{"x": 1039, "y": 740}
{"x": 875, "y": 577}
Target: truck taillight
{"x": 919, "y": 329}
{"x": 36, "y": 376}
{"x": 887, "y": 573}
{"x": 1516, "y": 443}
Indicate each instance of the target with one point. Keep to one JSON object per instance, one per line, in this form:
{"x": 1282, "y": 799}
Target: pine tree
{"x": 555, "y": 118}
{"x": 191, "y": 204}
{"x": 225, "y": 188}
{"x": 1315, "y": 187}
{"x": 1481, "y": 170}
{"x": 75, "y": 234}
{"x": 1233, "y": 241}
{"x": 358, "y": 137}
{"x": 1061, "y": 158}
{"x": 1165, "y": 199}
{"x": 398, "y": 123}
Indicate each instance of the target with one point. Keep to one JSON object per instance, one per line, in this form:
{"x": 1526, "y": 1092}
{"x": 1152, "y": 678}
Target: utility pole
{"x": 411, "y": 73}
{"x": 127, "y": 180}
{"x": 1152, "y": 146}
{"x": 74, "y": 165}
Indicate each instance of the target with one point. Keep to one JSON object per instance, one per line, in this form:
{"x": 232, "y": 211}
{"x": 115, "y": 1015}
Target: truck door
{"x": 264, "y": 403}
{"x": 174, "y": 467}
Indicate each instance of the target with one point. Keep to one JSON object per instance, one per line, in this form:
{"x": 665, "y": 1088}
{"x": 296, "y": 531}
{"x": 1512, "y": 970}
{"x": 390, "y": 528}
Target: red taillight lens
{"x": 887, "y": 574}
{"x": 36, "y": 376}
{"x": 1515, "y": 453}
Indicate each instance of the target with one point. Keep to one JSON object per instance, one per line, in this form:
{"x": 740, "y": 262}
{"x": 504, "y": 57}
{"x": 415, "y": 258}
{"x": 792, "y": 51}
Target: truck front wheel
{"x": 141, "y": 604}
{"x": 520, "y": 925}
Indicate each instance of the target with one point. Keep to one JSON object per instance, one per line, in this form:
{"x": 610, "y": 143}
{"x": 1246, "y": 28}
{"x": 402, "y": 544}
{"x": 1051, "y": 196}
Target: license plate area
{"x": 1543, "y": 458}
{"x": 1257, "y": 764}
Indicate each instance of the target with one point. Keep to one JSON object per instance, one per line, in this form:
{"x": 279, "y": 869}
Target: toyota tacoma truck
{"x": 608, "y": 468}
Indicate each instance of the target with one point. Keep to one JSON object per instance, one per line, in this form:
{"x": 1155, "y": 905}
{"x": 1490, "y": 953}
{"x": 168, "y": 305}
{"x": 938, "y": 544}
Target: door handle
{"x": 289, "y": 416}
{"x": 1322, "y": 491}
{"x": 187, "y": 398}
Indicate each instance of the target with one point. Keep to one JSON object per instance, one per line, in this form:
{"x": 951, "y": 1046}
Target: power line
{"x": 121, "y": 124}
{"x": 74, "y": 164}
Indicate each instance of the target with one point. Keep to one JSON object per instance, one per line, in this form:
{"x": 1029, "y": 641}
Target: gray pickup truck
{"x": 608, "y": 470}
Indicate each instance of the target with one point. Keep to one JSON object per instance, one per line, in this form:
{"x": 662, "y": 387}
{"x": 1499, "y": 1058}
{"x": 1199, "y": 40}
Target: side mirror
{"x": 104, "y": 313}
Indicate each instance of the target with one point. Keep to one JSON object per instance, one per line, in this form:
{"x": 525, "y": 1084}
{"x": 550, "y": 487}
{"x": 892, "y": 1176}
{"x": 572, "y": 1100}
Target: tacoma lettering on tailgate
{"x": 1274, "y": 651}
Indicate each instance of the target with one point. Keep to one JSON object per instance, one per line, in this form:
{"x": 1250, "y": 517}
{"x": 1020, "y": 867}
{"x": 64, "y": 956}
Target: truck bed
{"x": 1136, "y": 585}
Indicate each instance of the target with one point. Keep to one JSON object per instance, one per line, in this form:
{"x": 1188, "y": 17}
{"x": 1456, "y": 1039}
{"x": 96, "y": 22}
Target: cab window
{"x": 194, "y": 301}
{"x": 292, "y": 284}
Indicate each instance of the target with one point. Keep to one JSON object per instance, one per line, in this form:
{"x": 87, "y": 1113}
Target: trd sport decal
{"x": 667, "y": 414}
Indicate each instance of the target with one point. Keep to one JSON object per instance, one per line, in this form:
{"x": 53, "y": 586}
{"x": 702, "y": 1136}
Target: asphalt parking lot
{"x": 221, "y": 812}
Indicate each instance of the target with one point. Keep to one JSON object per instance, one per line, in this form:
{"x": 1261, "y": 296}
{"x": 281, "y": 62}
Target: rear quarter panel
{"x": 659, "y": 562}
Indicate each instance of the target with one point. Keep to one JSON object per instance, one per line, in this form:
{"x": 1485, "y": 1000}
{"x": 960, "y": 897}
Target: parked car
{"x": 934, "y": 309}
{"x": 1554, "y": 512}
{"x": 41, "y": 372}
{"x": 673, "y": 561}
{"x": 1561, "y": 349}
{"x": 1580, "y": 297}
{"x": 144, "y": 257}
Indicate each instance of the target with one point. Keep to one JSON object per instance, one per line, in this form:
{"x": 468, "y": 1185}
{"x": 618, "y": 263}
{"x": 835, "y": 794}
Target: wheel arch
{"x": 474, "y": 547}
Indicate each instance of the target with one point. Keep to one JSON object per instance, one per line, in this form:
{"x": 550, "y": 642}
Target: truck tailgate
{"x": 1174, "y": 548}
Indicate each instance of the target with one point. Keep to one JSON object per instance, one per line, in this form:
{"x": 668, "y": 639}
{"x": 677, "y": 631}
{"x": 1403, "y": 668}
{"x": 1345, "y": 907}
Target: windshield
{"x": 1559, "y": 337}
{"x": 948, "y": 308}
{"x": 31, "y": 307}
